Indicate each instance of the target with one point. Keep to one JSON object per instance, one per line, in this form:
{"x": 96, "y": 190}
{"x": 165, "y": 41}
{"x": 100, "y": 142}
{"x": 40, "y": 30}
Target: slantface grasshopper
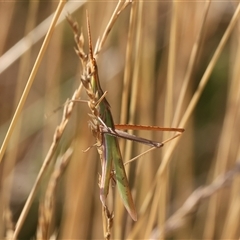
{"x": 103, "y": 129}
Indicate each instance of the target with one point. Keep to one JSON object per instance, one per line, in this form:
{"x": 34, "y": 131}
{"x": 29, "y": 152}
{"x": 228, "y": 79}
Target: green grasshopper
{"x": 103, "y": 129}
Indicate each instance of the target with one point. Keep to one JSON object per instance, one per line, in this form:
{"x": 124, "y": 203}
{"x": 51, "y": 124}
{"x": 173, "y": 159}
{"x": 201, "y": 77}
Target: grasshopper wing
{"x": 121, "y": 178}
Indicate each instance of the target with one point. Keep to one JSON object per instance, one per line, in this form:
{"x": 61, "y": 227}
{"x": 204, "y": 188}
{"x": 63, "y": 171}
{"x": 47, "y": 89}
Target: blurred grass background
{"x": 210, "y": 145}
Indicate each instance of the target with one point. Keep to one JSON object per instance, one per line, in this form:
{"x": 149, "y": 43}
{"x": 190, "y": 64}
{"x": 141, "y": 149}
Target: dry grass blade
{"x": 231, "y": 226}
{"x": 161, "y": 198}
{"x": 231, "y": 120}
{"x": 179, "y": 218}
{"x": 187, "y": 115}
{"x": 195, "y": 98}
{"x": 6, "y": 14}
{"x": 47, "y": 208}
{"x": 11, "y": 158}
{"x": 127, "y": 69}
{"x": 151, "y": 149}
{"x": 31, "y": 79}
{"x": 155, "y": 69}
{"x": 119, "y": 8}
{"x": 225, "y": 146}
{"x": 56, "y": 138}
{"x": 130, "y": 93}
{"x": 15, "y": 52}
{"x": 191, "y": 65}
{"x": 209, "y": 69}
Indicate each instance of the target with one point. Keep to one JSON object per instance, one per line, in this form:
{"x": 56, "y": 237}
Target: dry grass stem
{"x": 107, "y": 219}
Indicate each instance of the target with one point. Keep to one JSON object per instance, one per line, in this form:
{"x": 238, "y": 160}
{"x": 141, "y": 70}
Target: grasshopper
{"x": 103, "y": 129}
